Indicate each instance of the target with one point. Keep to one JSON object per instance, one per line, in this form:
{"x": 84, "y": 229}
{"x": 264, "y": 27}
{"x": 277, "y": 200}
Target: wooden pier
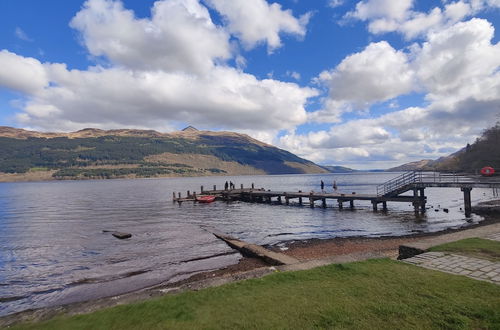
{"x": 391, "y": 191}
{"x": 310, "y": 199}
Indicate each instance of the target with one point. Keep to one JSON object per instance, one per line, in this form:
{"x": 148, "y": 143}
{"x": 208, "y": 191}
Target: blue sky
{"x": 365, "y": 84}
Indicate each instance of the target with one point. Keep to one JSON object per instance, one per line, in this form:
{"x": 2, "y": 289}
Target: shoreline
{"x": 357, "y": 248}
{"x": 47, "y": 177}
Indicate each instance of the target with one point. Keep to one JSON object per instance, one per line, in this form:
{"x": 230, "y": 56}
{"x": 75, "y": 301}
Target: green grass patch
{"x": 474, "y": 247}
{"x": 375, "y": 294}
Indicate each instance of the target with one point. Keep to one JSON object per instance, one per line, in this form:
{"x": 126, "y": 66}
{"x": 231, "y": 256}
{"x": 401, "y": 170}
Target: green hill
{"x": 93, "y": 153}
{"x": 485, "y": 151}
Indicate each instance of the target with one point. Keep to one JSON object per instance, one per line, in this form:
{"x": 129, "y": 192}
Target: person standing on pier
{"x": 231, "y": 185}
{"x": 334, "y": 185}
{"x": 226, "y": 185}
{"x": 322, "y": 186}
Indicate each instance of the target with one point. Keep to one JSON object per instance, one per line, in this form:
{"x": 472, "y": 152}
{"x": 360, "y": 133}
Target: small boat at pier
{"x": 205, "y": 199}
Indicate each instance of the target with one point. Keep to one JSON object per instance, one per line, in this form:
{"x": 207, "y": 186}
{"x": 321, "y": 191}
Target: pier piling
{"x": 467, "y": 201}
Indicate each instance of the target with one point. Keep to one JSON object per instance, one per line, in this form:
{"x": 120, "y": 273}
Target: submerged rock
{"x": 121, "y": 235}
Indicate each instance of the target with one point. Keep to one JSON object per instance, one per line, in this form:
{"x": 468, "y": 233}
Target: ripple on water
{"x": 53, "y": 249}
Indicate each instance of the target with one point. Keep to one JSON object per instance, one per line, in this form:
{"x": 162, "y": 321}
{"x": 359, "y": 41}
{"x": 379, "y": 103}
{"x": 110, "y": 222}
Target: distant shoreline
{"x": 46, "y": 176}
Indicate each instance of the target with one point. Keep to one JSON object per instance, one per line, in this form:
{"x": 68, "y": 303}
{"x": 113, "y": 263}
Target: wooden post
{"x": 323, "y": 202}
{"x": 188, "y": 194}
{"x": 173, "y": 198}
{"x": 287, "y": 200}
{"x": 215, "y": 187}
{"x": 422, "y": 200}
{"x": 253, "y": 186}
{"x": 375, "y": 207}
{"x": 279, "y": 199}
{"x": 311, "y": 202}
{"x": 179, "y": 195}
{"x": 241, "y": 186}
{"x": 384, "y": 206}
{"x": 202, "y": 189}
{"x": 341, "y": 204}
{"x": 467, "y": 201}
{"x": 415, "y": 200}
{"x": 351, "y": 203}
{"x": 194, "y": 196}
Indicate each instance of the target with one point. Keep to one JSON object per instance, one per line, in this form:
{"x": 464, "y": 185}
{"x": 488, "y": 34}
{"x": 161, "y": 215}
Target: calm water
{"x": 53, "y": 249}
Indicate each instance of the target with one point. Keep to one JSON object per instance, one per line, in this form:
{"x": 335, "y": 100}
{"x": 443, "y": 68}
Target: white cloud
{"x": 18, "y": 32}
{"x": 225, "y": 97}
{"x": 256, "y": 21}
{"x": 457, "y": 58}
{"x": 458, "y": 70}
{"x": 180, "y": 36}
{"x": 398, "y": 16}
{"x": 161, "y": 71}
{"x": 293, "y": 74}
{"x": 376, "y": 9}
{"x": 23, "y": 74}
{"x": 377, "y": 73}
{"x": 335, "y": 3}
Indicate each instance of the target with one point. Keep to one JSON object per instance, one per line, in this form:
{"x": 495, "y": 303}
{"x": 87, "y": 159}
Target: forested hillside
{"x": 108, "y": 156}
{"x": 485, "y": 151}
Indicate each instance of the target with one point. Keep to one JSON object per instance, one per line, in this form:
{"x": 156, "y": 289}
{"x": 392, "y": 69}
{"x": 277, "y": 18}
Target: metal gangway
{"x": 417, "y": 181}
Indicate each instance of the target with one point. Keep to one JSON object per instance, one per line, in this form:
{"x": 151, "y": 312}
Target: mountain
{"x": 338, "y": 169}
{"x": 93, "y": 153}
{"x": 485, "y": 151}
{"x": 420, "y": 165}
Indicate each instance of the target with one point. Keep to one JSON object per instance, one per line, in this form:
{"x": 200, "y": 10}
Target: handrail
{"x": 404, "y": 181}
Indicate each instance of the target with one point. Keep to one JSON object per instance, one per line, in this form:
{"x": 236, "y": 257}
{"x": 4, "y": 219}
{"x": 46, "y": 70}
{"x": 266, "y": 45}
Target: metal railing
{"x": 397, "y": 183}
{"x": 405, "y": 181}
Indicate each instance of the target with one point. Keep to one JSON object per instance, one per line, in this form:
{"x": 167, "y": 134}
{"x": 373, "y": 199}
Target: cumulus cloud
{"x": 257, "y": 21}
{"x": 376, "y": 9}
{"x": 398, "y": 16}
{"x": 457, "y": 58}
{"x": 161, "y": 71}
{"x": 456, "y": 68}
{"x": 180, "y": 36}
{"x": 23, "y": 74}
{"x": 377, "y": 73}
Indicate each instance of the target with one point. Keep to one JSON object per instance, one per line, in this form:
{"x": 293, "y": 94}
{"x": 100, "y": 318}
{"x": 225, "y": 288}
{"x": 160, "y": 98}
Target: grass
{"x": 374, "y": 294}
{"x": 474, "y": 247}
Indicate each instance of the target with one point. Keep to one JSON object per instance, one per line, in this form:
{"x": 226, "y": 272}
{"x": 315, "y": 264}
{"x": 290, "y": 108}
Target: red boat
{"x": 205, "y": 199}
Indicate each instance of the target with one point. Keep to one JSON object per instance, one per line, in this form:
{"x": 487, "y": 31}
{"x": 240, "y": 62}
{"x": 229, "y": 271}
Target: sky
{"x": 366, "y": 84}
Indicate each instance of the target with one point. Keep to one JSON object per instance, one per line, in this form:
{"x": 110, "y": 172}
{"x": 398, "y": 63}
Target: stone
{"x": 121, "y": 235}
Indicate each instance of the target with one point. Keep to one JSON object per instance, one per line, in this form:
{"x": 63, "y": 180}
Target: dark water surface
{"x": 53, "y": 249}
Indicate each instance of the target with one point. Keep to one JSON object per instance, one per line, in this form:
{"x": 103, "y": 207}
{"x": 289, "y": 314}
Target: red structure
{"x": 487, "y": 171}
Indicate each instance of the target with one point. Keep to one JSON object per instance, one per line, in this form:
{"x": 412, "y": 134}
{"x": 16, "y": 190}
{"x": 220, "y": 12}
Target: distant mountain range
{"x": 126, "y": 153}
{"x": 485, "y": 151}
